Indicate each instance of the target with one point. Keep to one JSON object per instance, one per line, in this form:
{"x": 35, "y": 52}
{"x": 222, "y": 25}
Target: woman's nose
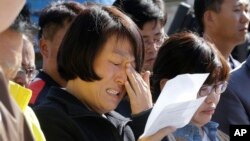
{"x": 121, "y": 76}
{"x": 212, "y": 97}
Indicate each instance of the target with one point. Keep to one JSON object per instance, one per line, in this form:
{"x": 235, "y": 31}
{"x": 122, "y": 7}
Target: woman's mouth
{"x": 112, "y": 92}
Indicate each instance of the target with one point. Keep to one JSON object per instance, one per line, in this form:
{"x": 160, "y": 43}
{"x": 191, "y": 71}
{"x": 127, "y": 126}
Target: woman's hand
{"x": 158, "y": 136}
{"x": 138, "y": 89}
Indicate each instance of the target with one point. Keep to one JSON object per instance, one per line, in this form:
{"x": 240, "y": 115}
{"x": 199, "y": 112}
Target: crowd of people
{"x": 104, "y": 67}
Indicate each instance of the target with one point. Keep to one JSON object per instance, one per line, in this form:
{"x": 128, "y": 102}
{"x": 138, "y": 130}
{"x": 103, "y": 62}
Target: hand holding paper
{"x": 177, "y": 103}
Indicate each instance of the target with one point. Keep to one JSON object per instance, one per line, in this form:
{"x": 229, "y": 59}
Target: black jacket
{"x": 234, "y": 105}
{"x": 63, "y": 117}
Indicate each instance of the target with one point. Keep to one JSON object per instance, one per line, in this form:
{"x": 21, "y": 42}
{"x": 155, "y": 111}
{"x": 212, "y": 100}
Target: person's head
{"x": 11, "y": 45}
{"x": 27, "y": 71}
{"x": 225, "y": 20}
{"x": 94, "y": 53}
{"x": 187, "y": 53}
{"x": 54, "y": 21}
{"x": 151, "y": 17}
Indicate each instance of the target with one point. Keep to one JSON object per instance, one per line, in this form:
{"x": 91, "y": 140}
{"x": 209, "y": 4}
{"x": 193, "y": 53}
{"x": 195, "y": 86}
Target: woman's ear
{"x": 163, "y": 82}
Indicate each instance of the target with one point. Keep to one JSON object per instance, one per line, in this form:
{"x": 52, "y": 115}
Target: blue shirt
{"x": 190, "y": 132}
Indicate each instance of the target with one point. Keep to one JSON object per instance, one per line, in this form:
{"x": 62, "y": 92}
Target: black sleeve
{"x": 138, "y": 123}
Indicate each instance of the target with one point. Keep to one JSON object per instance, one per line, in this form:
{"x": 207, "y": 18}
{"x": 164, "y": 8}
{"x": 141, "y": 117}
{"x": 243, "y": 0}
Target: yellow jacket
{"x": 22, "y": 96}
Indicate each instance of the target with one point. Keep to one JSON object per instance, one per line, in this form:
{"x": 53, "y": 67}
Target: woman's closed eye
{"x": 116, "y": 63}
{"x": 237, "y": 10}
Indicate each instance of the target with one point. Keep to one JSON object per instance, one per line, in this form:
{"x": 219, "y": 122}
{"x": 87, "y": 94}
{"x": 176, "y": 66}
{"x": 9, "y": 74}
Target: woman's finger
{"x": 146, "y": 77}
{"x": 133, "y": 79}
{"x": 130, "y": 91}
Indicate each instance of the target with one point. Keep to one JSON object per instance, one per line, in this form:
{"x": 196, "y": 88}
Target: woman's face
{"x": 205, "y": 112}
{"x": 110, "y": 64}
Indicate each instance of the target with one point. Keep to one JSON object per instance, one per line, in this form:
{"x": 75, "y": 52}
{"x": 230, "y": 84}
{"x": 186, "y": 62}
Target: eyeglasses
{"x": 158, "y": 40}
{"x": 218, "y": 88}
{"x": 29, "y": 72}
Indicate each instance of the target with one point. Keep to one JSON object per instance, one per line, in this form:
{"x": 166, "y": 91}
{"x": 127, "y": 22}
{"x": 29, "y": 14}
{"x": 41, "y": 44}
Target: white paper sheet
{"x": 177, "y": 103}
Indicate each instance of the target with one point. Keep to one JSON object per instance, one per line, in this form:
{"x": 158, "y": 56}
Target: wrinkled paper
{"x": 177, "y": 103}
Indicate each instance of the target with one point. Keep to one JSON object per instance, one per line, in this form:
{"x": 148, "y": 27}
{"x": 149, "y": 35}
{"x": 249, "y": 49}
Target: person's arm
{"x": 9, "y": 9}
{"x": 138, "y": 122}
{"x": 158, "y": 136}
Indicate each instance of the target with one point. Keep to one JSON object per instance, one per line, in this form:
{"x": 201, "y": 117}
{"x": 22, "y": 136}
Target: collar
{"x": 43, "y": 75}
{"x": 21, "y": 94}
{"x": 191, "y": 132}
{"x": 232, "y": 62}
{"x": 68, "y": 103}
{"x": 211, "y": 125}
{"x": 248, "y": 61}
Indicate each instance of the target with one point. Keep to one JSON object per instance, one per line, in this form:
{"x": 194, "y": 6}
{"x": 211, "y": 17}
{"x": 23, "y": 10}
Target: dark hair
{"x": 143, "y": 11}
{"x": 86, "y": 37}
{"x": 201, "y": 6}
{"x": 53, "y": 17}
{"x": 187, "y": 53}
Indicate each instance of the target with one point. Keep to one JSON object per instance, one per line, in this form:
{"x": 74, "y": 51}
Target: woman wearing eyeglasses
{"x": 187, "y": 53}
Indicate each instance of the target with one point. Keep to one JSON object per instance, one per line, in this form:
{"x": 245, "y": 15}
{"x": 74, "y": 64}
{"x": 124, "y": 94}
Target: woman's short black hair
{"x": 86, "y": 37}
{"x": 187, "y": 53}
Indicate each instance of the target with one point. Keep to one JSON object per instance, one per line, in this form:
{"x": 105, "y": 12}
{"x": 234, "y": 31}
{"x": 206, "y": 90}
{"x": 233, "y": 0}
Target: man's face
{"x": 52, "y": 46}
{"x": 231, "y": 22}
{"x": 153, "y": 36}
{"x": 28, "y": 67}
{"x": 10, "y": 52}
